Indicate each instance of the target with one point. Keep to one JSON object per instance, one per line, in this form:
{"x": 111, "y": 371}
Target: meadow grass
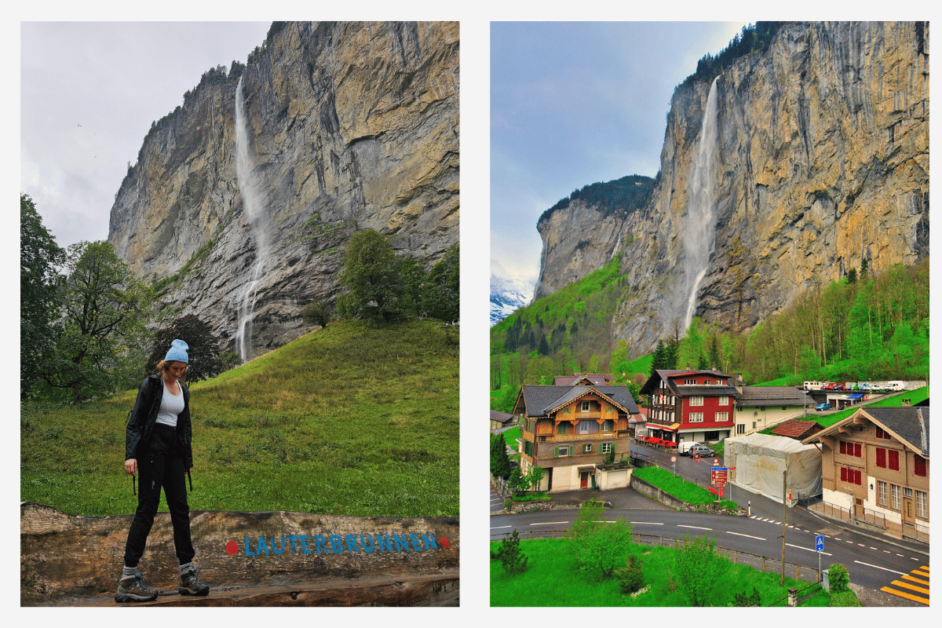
{"x": 678, "y": 487}
{"x": 553, "y": 578}
{"x": 350, "y": 419}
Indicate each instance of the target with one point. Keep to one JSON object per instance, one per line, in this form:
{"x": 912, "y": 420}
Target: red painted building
{"x": 689, "y": 405}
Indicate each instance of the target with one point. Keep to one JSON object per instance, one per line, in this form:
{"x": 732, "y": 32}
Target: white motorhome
{"x": 813, "y": 385}
{"x": 896, "y": 385}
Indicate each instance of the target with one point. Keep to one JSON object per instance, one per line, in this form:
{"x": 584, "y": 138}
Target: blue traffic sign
{"x": 819, "y": 543}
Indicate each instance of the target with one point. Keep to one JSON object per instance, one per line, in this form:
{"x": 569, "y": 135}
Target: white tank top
{"x": 170, "y": 406}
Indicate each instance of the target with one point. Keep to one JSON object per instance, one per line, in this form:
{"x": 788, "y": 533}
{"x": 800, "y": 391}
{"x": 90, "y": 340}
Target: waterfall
{"x": 252, "y": 204}
{"x": 699, "y": 232}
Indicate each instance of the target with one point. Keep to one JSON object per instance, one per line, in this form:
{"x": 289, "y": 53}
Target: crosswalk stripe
{"x": 926, "y": 568}
{"x": 919, "y": 572}
{"x": 914, "y": 598}
{"x": 920, "y": 581}
{"x": 911, "y": 587}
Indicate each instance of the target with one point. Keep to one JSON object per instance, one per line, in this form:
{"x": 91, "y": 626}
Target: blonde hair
{"x": 163, "y": 365}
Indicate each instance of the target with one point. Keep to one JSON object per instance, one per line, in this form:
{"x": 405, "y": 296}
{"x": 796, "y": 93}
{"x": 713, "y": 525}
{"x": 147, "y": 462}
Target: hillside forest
{"x": 868, "y": 325}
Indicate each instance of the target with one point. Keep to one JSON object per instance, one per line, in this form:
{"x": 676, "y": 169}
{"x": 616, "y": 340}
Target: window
{"x": 920, "y": 466}
{"x": 922, "y": 505}
{"x": 881, "y": 493}
{"x": 851, "y": 449}
{"x": 696, "y": 401}
{"x": 528, "y": 448}
{"x": 706, "y": 382}
{"x": 896, "y": 504}
{"x": 587, "y": 427}
{"x": 584, "y": 407}
{"x": 741, "y": 428}
{"x": 881, "y": 433}
{"x": 724, "y": 401}
{"x": 696, "y": 417}
{"x": 851, "y": 476}
{"x": 721, "y": 417}
{"x": 608, "y": 425}
{"x": 908, "y": 492}
{"x": 881, "y": 457}
{"x": 690, "y": 382}
{"x": 606, "y": 448}
{"x": 563, "y": 451}
{"x": 562, "y": 428}
{"x": 894, "y": 460}
{"x": 587, "y": 449}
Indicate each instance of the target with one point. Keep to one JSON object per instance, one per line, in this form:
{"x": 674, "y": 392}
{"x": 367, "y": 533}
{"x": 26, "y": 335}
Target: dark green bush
{"x": 838, "y": 578}
{"x": 748, "y": 599}
{"x": 631, "y": 577}
{"x": 511, "y": 556}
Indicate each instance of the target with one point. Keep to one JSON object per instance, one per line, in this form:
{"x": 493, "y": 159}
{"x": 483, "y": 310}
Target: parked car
{"x": 833, "y": 386}
{"x": 701, "y": 450}
{"x": 822, "y": 406}
{"x": 684, "y": 448}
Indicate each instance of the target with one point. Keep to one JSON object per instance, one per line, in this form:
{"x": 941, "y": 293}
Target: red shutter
{"x": 894, "y": 460}
{"x": 843, "y": 474}
{"x": 881, "y": 457}
{"x": 857, "y": 449}
{"x": 920, "y": 466}
{"x": 843, "y": 447}
{"x": 879, "y": 432}
{"x": 857, "y": 478}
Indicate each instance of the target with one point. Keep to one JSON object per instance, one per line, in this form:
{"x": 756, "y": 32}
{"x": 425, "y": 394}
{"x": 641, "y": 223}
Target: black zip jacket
{"x": 144, "y": 416}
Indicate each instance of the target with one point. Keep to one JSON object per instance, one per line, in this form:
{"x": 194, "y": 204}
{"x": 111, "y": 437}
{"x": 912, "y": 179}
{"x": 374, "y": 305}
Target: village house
{"x": 687, "y": 405}
{"x": 875, "y": 470}
{"x": 570, "y": 431}
{"x": 501, "y": 419}
{"x": 761, "y": 407}
{"x": 797, "y": 429}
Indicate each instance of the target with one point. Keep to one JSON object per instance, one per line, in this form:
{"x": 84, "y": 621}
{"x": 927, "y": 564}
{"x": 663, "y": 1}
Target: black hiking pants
{"x": 160, "y": 465}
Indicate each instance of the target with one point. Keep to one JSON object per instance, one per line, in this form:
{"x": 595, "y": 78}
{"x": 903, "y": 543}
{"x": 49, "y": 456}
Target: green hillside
{"x": 351, "y": 419}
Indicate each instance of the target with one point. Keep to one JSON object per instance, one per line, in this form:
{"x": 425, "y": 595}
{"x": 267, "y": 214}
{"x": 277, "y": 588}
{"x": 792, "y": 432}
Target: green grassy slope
{"x": 346, "y": 420}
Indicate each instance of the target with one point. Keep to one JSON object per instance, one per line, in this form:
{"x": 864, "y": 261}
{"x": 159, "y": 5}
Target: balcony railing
{"x": 561, "y": 438}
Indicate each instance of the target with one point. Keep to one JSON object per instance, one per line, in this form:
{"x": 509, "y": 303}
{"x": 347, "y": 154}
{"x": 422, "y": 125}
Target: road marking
{"x": 693, "y": 527}
{"x": 861, "y": 545}
{"x": 900, "y": 573}
{"x": 908, "y": 577}
{"x": 914, "y": 598}
{"x": 501, "y": 527}
{"x": 916, "y": 559}
{"x": 911, "y": 587}
{"x": 647, "y": 523}
{"x": 916, "y": 571}
{"x": 549, "y": 523}
{"x": 807, "y": 549}
{"x": 901, "y": 556}
{"x": 758, "y": 538}
{"x": 885, "y": 551}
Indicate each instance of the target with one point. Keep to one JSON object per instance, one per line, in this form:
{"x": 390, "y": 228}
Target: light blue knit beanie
{"x": 177, "y": 352}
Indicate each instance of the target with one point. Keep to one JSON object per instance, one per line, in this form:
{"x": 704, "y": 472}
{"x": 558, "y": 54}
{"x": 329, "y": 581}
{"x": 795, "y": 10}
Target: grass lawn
{"x": 678, "y": 487}
{"x": 553, "y": 578}
{"x": 511, "y": 436}
{"x": 350, "y": 419}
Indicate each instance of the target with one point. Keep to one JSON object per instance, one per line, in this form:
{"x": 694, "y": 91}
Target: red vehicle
{"x": 833, "y": 386}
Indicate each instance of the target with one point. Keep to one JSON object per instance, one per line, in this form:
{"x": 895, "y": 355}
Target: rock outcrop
{"x": 822, "y": 161}
{"x": 351, "y": 125}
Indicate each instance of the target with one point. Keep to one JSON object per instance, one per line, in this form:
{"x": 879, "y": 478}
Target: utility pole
{"x": 784, "y": 514}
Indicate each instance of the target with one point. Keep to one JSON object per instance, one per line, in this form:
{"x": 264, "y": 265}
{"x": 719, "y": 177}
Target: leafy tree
{"x": 413, "y": 278}
{"x": 317, "y": 312}
{"x": 442, "y": 287}
{"x": 523, "y": 482}
{"x": 40, "y": 294}
{"x": 598, "y": 547}
{"x": 511, "y": 557}
{"x": 699, "y": 568}
{"x": 103, "y": 313}
{"x": 205, "y": 348}
{"x": 500, "y": 461}
{"x": 372, "y": 278}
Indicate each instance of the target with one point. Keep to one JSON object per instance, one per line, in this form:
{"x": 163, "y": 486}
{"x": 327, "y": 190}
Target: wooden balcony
{"x": 564, "y": 438}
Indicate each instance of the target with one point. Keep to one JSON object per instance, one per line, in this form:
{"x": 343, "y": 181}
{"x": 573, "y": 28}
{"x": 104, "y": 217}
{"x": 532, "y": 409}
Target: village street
{"x": 871, "y": 561}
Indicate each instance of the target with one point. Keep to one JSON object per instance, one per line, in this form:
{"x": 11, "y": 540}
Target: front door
{"x": 584, "y": 480}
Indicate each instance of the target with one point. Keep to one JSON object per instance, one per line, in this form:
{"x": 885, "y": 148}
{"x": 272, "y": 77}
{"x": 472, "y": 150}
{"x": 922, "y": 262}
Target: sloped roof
{"x": 503, "y": 417}
{"x": 773, "y": 396}
{"x": 669, "y": 375}
{"x": 540, "y": 399}
{"x": 596, "y": 379}
{"x": 795, "y": 428}
{"x": 909, "y": 425}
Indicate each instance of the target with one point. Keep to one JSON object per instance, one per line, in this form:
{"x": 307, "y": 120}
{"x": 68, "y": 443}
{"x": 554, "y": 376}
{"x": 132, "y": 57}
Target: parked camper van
{"x": 896, "y": 385}
{"x": 813, "y": 385}
{"x": 684, "y": 448}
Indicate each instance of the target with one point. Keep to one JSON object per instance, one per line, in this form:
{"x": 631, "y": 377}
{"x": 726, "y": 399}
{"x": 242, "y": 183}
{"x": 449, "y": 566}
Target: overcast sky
{"x": 89, "y": 92}
{"x": 573, "y": 103}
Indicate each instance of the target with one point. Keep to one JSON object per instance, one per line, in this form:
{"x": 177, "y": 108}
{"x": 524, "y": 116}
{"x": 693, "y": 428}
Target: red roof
{"x": 795, "y": 428}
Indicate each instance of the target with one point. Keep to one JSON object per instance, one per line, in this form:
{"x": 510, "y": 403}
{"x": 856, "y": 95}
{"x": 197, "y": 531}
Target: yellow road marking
{"x": 914, "y": 598}
{"x": 908, "y": 577}
{"x": 919, "y": 572}
{"x": 911, "y": 587}
{"x": 926, "y": 568}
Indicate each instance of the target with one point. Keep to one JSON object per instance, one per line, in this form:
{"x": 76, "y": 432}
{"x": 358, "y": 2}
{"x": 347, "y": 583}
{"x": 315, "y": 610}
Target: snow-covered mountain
{"x": 509, "y": 291}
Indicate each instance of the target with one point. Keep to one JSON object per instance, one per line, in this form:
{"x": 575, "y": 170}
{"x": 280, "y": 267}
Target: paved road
{"x": 871, "y": 563}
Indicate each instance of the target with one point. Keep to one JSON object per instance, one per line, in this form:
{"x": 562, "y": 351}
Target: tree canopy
{"x": 204, "y": 347}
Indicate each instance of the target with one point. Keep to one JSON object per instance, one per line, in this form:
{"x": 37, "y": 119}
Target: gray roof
{"x": 538, "y": 399}
{"x": 599, "y": 379}
{"x": 912, "y": 424}
{"x": 773, "y": 396}
{"x": 503, "y": 417}
{"x": 681, "y": 390}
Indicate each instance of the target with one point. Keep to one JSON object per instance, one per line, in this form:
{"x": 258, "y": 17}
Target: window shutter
{"x": 843, "y": 447}
{"x": 857, "y": 449}
{"x": 894, "y": 460}
{"x": 881, "y": 457}
{"x": 613, "y": 449}
{"x": 556, "y": 452}
{"x": 857, "y": 478}
{"x": 843, "y": 474}
{"x": 920, "y": 466}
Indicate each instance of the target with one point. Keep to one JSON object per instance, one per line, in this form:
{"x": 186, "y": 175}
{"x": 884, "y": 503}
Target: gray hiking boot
{"x": 190, "y": 584}
{"x": 133, "y": 590}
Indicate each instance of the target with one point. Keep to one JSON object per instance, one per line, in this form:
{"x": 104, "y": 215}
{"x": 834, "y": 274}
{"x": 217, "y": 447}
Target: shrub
{"x": 317, "y": 313}
{"x": 838, "y": 578}
{"x": 747, "y": 599}
{"x": 699, "y": 568}
{"x": 511, "y": 556}
{"x": 598, "y": 546}
{"x": 631, "y": 577}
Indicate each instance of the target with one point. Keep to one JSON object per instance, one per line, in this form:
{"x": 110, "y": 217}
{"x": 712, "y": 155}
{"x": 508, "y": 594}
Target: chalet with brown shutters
{"x": 875, "y": 470}
{"x": 569, "y": 431}
{"x": 690, "y": 406}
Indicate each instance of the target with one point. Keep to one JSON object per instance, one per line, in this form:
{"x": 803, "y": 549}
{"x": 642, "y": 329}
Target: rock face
{"x": 822, "y": 161}
{"x": 350, "y": 126}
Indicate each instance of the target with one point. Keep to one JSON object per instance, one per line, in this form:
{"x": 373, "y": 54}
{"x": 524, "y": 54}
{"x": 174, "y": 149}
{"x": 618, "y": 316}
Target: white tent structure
{"x": 760, "y": 460}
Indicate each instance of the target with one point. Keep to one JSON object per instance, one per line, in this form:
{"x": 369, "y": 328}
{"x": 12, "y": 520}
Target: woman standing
{"x": 158, "y": 445}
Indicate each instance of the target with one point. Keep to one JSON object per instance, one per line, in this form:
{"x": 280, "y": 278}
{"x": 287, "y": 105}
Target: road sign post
{"x": 819, "y": 547}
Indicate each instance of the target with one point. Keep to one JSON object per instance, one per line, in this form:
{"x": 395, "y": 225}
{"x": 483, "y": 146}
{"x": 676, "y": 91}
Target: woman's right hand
{"x": 130, "y": 466}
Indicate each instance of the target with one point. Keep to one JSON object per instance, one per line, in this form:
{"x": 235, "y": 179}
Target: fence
{"x": 868, "y": 516}
{"x": 737, "y": 557}
{"x": 916, "y": 532}
{"x": 830, "y": 510}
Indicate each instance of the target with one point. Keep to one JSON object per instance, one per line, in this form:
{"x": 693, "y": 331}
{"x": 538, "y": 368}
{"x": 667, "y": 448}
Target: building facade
{"x": 570, "y": 431}
{"x": 690, "y": 406}
{"x": 875, "y": 469}
{"x": 761, "y": 407}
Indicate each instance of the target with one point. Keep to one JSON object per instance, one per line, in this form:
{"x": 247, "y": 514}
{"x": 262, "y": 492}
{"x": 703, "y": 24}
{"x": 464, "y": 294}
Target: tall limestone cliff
{"x": 821, "y": 160}
{"x": 349, "y": 126}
